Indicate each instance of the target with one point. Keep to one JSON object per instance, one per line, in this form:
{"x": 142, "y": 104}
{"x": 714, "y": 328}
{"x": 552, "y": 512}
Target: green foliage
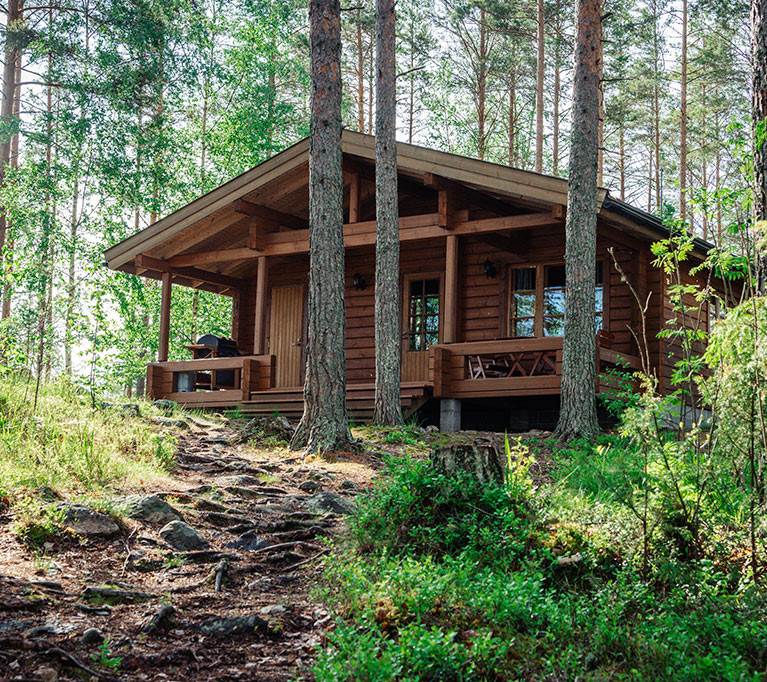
{"x": 70, "y": 446}
{"x": 105, "y": 659}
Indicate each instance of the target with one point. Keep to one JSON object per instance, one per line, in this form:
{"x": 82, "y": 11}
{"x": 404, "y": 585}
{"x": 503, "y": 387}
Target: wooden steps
{"x": 289, "y": 402}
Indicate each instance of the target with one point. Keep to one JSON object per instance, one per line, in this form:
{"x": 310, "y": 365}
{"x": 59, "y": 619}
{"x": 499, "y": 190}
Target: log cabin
{"x": 482, "y": 287}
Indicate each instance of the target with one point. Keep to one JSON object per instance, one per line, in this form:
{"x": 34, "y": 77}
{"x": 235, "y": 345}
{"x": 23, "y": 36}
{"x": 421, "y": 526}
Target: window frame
{"x": 405, "y": 298}
{"x": 540, "y": 269}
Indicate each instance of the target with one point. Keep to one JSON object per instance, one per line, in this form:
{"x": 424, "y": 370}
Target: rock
{"x": 92, "y": 636}
{"x": 348, "y": 485}
{"x": 221, "y": 519}
{"x": 310, "y": 486}
{"x": 46, "y": 493}
{"x": 46, "y": 674}
{"x": 236, "y": 480}
{"x": 481, "y": 459}
{"x": 171, "y": 422}
{"x": 266, "y": 426}
{"x": 166, "y": 406}
{"x": 150, "y": 509}
{"x": 329, "y": 502}
{"x": 126, "y": 409}
{"x": 237, "y": 625}
{"x": 248, "y": 541}
{"x": 274, "y": 610}
{"x": 431, "y": 428}
{"x": 86, "y": 521}
{"x": 107, "y": 594}
{"x": 180, "y": 535}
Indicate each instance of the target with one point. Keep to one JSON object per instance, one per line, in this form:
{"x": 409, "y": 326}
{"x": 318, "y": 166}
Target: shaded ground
{"x": 158, "y": 610}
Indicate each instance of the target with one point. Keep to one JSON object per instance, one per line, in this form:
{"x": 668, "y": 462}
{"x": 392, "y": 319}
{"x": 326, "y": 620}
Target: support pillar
{"x": 450, "y": 328}
{"x": 449, "y": 415}
{"x": 162, "y": 346}
{"x": 259, "y": 330}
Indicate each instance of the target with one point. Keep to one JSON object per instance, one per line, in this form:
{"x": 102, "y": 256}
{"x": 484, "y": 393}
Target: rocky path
{"x": 208, "y": 578}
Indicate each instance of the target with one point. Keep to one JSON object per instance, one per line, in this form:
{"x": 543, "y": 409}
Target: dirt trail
{"x": 158, "y": 609}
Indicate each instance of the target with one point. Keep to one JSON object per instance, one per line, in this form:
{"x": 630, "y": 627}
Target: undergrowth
{"x": 446, "y": 579}
{"x": 67, "y": 446}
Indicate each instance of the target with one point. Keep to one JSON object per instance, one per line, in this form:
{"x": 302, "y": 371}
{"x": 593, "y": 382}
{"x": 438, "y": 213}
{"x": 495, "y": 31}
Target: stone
{"x": 150, "y": 509}
{"x": 46, "y": 493}
{"x": 86, "y": 521}
{"x": 125, "y": 409}
{"x": 274, "y": 610}
{"x": 481, "y": 459}
{"x": 92, "y": 636}
{"x": 236, "y": 480}
{"x": 237, "y": 625}
{"x": 222, "y": 519}
{"x": 45, "y": 674}
{"x": 329, "y": 502}
{"x": 266, "y": 426}
{"x": 431, "y": 428}
{"x": 166, "y": 406}
{"x": 171, "y": 422}
{"x": 348, "y": 485}
{"x": 248, "y": 541}
{"x": 182, "y": 536}
{"x": 310, "y": 486}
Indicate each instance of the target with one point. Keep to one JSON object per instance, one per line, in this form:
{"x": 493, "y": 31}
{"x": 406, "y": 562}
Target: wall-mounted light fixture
{"x": 490, "y": 270}
{"x": 359, "y": 282}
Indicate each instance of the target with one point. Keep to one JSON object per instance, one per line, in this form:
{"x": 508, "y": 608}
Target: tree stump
{"x": 481, "y": 459}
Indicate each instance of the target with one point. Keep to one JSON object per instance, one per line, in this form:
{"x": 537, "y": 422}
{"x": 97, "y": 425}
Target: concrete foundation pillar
{"x": 449, "y": 415}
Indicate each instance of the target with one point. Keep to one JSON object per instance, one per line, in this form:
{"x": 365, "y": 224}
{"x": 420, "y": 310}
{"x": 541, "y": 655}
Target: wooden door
{"x": 286, "y": 331}
{"x": 421, "y": 323}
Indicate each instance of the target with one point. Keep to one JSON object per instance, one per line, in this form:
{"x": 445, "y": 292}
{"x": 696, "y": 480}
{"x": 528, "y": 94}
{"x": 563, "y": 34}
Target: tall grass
{"x": 68, "y": 445}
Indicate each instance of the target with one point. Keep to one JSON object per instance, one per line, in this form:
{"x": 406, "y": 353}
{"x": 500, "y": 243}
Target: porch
{"x": 456, "y": 371}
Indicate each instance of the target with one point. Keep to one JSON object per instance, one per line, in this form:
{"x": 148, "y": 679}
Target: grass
{"x": 444, "y": 579}
{"x": 70, "y": 448}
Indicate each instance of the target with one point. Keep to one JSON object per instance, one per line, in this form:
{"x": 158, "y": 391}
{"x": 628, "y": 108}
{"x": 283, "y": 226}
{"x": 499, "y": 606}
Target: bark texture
{"x": 759, "y": 107}
{"x": 578, "y": 416}
{"x": 387, "y": 410}
{"x": 482, "y": 459}
{"x": 324, "y": 426}
{"x": 539, "y": 85}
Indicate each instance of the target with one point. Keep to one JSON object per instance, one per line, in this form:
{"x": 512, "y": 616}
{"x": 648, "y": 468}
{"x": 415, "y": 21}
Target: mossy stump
{"x": 480, "y": 459}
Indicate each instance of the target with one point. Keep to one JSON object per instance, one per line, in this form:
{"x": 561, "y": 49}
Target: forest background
{"x": 124, "y": 111}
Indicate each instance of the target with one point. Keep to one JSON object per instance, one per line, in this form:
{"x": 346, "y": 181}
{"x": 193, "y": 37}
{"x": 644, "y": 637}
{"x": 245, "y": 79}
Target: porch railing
{"x": 509, "y": 367}
{"x": 210, "y": 381}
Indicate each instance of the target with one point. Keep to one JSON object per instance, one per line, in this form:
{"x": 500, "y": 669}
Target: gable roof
{"x": 206, "y": 216}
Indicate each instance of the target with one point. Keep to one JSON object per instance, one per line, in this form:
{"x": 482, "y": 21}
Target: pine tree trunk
{"x": 360, "y": 76}
{"x": 683, "y": 121}
{"x": 482, "y": 87}
{"x": 759, "y": 107}
{"x": 324, "y": 426}
{"x": 555, "y": 133}
{"x": 387, "y": 410}
{"x": 578, "y": 417}
{"x": 10, "y": 79}
{"x": 71, "y": 282}
{"x": 539, "y": 85}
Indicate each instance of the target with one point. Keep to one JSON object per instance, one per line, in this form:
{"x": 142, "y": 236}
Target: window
{"x": 423, "y": 313}
{"x": 523, "y": 302}
{"x": 537, "y": 300}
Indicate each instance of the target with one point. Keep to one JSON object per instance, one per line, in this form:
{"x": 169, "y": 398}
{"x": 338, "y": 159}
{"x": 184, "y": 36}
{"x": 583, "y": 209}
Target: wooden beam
{"x": 159, "y": 265}
{"x": 249, "y": 208}
{"x": 259, "y": 330}
{"x": 467, "y": 194}
{"x": 205, "y": 229}
{"x": 450, "y": 331}
{"x": 446, "y": 209}
{"x": 412, "y": 228}
{"x": 354, "y": 198}
{"x": 515, "y": 247}
{"x": 163, "y": 343}
{"x": 559, "y": 211}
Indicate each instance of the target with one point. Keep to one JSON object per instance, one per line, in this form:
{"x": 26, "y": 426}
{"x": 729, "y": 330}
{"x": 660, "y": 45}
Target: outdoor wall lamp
{"x": 490, "y": 270}
{"x": 359, "y": 282}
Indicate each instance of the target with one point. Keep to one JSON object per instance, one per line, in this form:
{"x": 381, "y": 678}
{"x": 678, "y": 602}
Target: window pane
{"x": 523, "y": 279}
{"x": 432, "y": 306}
{"x": 432, "y": 323}
{"x": 553, "y": 326}
{"x": 431, "y": 339}
{"x": 522, "y": 327}
{"x": 598, "y": 299}
{"x": 554, "y": 302}
{"x": 555, "y": 276}
{"x": 523, "y": 305}
{"x": 599, "y": 280}
{"x": 598, "y": 321}
{"x": 416, "y": 287}
{"x": 431, "y": 287}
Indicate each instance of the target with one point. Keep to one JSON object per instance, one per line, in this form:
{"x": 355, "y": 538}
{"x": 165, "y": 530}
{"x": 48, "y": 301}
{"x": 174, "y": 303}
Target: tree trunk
{"x": 539, "y": 85}
{"x": 360, "y": 76}
{"x": 759, "y": 115}
{"x": 481, "y": 459}
{"x": 10, "y": 79}
{"x": 578, "y": 416}
{"x": 324, "y": 426}
{"x": 482, "y": 87}
{"x": 512, "y": 121}
{"x": 555, "y": 133}
{"x": 387, "y": 410}
{"x": 71, "y": 282}
{"x": 683, "y": 122}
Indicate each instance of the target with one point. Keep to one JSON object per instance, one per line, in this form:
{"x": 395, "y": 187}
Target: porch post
{"x": 450, "y": 329}
{"x": 259, "y": 331}
{"x": 162, "y": 347}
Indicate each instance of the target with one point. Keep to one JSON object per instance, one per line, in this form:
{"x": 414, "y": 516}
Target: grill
{"x": 220, "y": 347}
{"x": 209, "y": 346}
